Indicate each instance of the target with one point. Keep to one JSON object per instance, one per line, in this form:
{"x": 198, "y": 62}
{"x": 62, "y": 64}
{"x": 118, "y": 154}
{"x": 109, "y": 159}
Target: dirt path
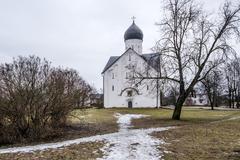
{"x": 132, "y": 143}
{"x": 224, "y": 120}
{"x": 126, "y": 144}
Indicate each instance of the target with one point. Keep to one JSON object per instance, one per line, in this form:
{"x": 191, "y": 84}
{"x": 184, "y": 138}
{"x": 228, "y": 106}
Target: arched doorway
{"x": 130, "y": 104}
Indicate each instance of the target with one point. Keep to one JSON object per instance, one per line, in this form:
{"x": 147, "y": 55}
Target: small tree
{"x": 62, "y": 93}
{"x": 232, "y": 73}
{"x": 212, "y": 86}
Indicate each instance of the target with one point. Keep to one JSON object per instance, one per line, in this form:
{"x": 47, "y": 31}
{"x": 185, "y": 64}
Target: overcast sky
{"x": 75, "y": 33}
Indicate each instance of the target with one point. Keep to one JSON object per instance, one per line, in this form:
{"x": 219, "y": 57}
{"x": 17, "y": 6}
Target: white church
{"x": 118, "y": 90}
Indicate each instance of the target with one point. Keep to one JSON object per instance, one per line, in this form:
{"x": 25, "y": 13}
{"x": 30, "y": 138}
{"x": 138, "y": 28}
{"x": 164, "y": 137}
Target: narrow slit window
{"x": 112, "y": 87}
{"x": 113, "y": 76}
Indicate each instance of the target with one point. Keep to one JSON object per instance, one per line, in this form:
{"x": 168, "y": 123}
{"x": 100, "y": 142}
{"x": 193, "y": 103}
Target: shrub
{"x": 35, "y": 98}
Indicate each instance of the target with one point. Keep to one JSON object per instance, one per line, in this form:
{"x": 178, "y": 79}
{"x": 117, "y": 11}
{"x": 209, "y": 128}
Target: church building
{"x": 118, "y": 88}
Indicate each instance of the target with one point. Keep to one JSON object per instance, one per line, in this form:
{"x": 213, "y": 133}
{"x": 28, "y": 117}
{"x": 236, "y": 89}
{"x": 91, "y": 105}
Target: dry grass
{"x": 203, "y": 141}
{"x": 200, "y": 134}
{"x": 85, "y": 151}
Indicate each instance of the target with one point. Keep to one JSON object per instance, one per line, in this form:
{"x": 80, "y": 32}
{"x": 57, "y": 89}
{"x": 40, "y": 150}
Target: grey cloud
{"x": 75, "y": 33}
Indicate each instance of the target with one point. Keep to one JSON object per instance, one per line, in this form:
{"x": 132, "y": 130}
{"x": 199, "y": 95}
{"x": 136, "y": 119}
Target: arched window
{"x": 129, "y": 93}
{"x": 129, "y": 89}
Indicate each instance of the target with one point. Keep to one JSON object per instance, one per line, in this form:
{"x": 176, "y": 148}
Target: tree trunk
{"x": 161, "y": 99}
{"x": 214, "y": 100}
{"x": 211, "y": 103}
{"x": 233, "y": 101}
{"x": 178, "y": 108}
{"x": 229, "y": 98}
{"x": 217, "y": 100}
{"x": 210, "y": 99}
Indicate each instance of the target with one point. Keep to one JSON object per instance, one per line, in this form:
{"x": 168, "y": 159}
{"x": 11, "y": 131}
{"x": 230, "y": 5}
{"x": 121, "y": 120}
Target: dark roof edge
{"x": 105, "y": 69}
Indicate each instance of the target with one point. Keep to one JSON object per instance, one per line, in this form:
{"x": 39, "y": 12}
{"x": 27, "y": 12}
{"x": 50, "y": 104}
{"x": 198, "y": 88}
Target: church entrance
{"x": 130, "y": 104}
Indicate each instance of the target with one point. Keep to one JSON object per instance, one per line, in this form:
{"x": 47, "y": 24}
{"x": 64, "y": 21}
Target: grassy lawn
{"x": 212, "y": 141}
{"x": 201, "y": 134}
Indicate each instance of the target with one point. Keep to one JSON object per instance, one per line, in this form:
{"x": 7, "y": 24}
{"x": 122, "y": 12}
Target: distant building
{"x": 196, "y": 99}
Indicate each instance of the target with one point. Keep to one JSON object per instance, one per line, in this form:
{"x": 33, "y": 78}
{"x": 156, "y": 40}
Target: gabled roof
{"x": 110, "y": 62}
{"x": 151, "y": 59}
{"x": 114, "y": 59}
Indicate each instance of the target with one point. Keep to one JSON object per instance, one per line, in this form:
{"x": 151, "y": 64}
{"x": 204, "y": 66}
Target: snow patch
{"x": 132, "y": 144}
{"x": 124, "y": 120}
{"x": 128, "y": 143}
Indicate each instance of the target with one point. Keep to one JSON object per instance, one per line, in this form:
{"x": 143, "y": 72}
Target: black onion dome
{"x": 133, "y": 32}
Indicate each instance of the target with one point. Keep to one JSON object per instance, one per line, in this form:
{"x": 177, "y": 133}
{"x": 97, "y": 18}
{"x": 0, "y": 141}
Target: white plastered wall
{"x": 114, "y": 98}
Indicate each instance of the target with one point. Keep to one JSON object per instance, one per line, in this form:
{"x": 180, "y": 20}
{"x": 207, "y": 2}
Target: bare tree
{"x": 36, "y": 99}
{"x": 212, "y": 86}
{"x": 192, "y": 44}
{"x": 84, "y": 91}
{"x": 232, "y": 73}
{"x": 21, "y": 88}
